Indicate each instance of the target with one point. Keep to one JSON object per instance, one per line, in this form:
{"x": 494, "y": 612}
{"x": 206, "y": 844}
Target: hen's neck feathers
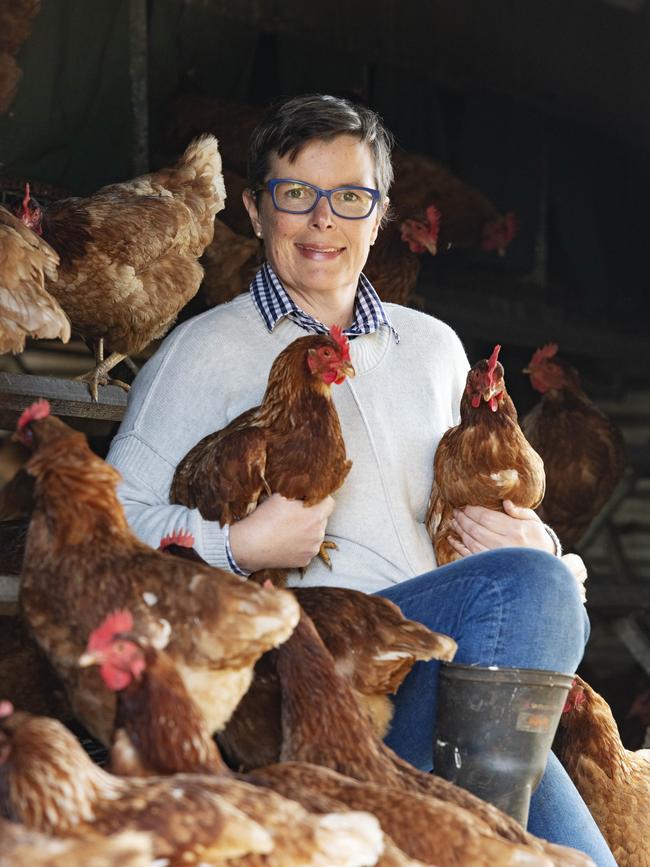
{"x": 505, "y": 415}
{"x": 291, "y": 382}
{"x": 335, "y": 727}
{"x": 76, "y": 491}
{"x": 592, "y": 733}
{"x": 163, "y": 722}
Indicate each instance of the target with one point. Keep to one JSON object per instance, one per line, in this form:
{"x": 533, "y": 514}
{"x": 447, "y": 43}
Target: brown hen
{"x": 230, "y": 263}
{"x": 129, "y": 253}
{"x": 20, "y": 847}
{"x": 467, "y": 217}
{"x": 323, "y": 725}
{"x": 583, "y": 451}
{"x": 26, "y": 307}
{"x": 51, "y": 785}
{"x": 614, "y": 782}
{"x": 373, "y": 646}
{"x": 158, "y": 730}
{"x": 291, "y": 444}
{"x": 393, "y": 264}
{"x": 484, "y": 460}
{"x": 81, "y": 556}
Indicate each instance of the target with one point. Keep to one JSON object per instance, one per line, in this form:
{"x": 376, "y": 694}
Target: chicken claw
{"x": 99, "y": 376}
{"x": 325, "y": 557}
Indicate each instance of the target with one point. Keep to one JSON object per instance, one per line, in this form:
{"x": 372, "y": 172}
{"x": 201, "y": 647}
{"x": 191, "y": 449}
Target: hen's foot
{"x": 99, "y": 376}
{"x": 95, "y": 378}
{"x": 325, "y": 557}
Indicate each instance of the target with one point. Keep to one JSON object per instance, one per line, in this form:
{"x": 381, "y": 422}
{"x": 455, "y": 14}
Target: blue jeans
{"x": 509, "y": 607}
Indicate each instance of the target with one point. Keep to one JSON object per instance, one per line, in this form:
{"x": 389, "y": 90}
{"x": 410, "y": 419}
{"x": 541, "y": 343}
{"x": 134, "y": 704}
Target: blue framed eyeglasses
{"x": 299, "y": 197}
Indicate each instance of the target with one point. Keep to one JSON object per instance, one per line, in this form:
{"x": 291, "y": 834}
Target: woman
{"x": 319, "y": 175}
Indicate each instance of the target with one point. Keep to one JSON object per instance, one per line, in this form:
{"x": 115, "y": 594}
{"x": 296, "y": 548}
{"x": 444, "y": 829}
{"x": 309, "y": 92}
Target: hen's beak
{"x": 89, "y": 658}
{"x": 432, "y": 247}
{"x": 347, "y": 369}
{"x": 527, "y": 370}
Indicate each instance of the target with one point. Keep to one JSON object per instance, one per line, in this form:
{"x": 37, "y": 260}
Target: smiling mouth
{"x": 314, "y": 249}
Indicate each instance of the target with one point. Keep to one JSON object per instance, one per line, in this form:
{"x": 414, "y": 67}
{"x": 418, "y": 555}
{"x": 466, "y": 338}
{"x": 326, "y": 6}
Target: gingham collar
{"x": 273, "y": 303}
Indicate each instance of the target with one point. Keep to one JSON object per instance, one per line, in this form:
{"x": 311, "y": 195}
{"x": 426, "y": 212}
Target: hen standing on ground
{"x": 81, "y": 556}
{"x": 291, "y": 444}
{"x": 129, "y": 253}
{"x": 583, "y": 451}
{"x": 484, "y": 460}
{"x": 26, "y": 307}
{"x": 614, "y": 782}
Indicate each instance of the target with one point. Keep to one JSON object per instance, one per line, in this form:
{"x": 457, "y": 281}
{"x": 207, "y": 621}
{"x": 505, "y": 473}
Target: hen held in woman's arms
{"x": 291, "y": 444}
{"x": 482, "y": 461}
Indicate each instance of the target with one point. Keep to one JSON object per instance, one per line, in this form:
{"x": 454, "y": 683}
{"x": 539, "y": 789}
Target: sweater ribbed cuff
{"x": 213, "y": 546}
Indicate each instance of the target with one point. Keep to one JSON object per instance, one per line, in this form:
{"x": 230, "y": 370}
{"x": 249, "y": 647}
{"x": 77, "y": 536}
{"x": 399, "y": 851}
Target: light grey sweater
{"x": 393, "y": 413}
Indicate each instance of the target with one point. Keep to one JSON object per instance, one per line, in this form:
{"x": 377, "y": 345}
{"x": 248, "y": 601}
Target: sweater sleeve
{"x": 169, "y": 409}
{"x": 146, "y": 504}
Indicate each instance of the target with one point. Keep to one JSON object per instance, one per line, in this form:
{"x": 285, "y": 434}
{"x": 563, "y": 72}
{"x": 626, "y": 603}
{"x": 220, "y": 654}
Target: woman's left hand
{"x": 482, "y": 529}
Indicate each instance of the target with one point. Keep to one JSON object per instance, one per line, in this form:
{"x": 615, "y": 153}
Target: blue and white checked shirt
{"x": 273, "y": 303}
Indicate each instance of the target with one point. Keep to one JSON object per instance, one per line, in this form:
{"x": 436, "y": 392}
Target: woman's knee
{"x": 541, "y": 582}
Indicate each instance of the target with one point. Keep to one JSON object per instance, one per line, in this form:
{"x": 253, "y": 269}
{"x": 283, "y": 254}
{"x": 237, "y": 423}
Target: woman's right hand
{"x": 280, "y": 534}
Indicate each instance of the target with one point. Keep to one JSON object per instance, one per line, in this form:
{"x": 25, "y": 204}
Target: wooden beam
{"x": 70, "y": 400}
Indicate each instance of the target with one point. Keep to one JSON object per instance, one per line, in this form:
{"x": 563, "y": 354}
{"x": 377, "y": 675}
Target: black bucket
{"x": 494, "y": 730}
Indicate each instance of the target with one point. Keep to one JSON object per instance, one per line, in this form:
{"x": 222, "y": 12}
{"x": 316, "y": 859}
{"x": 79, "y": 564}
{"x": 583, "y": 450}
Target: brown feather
{"x": 583, "y": 453}
{"x": 26, "y": 308}
{"x": 614, "y": 782}
{"x": 322, "y": 725}
{"x": 482, "y": 461}
{"x": 129, "y": 253}
{"x": 291, "y": 444}
{"x": 80, "y": 553}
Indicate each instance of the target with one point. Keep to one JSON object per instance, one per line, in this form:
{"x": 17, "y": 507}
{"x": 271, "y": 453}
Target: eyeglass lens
{"x": 297, "y": 198}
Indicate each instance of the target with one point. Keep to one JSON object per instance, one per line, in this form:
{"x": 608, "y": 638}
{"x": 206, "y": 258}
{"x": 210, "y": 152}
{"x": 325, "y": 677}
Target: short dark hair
{"x": 290, "y": 123}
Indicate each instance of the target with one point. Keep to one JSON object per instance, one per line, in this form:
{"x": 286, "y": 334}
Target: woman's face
{"x": 318, "y": 252}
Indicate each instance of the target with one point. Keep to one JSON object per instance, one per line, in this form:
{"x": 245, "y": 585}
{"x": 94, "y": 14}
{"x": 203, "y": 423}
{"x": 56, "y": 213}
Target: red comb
{"x": 337, "y": 333}
{"x": 268, "y": 583}
{"x": 26, "y": 198}
{"x": 492, "y": 360}
{"x": 182, "y": 538}
{"x": 115, "y": 623}
{"x": 6, "y": 708}
{"x": 543, "y": 353}
{"x": 40, "y": 409}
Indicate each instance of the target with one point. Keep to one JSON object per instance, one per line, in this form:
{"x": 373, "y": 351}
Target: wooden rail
{"x": 69, "y": 398}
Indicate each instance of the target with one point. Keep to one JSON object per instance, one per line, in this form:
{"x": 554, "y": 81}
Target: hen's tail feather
{"x": 200, "y": 164}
